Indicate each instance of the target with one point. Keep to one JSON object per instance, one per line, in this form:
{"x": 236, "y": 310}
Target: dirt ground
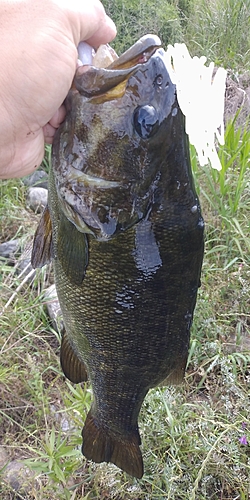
{"x": 237, "y": 97}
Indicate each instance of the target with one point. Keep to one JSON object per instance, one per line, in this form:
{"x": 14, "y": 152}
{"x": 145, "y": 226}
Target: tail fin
{"x": 100, "y": 445}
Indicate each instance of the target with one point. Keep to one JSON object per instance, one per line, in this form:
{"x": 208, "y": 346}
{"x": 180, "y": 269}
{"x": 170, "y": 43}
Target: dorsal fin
{"x": 73, "y": 368}
{"x": 42, "y": 251}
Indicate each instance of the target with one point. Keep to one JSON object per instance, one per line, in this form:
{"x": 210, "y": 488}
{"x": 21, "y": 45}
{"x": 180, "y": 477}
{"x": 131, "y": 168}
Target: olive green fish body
{"x": 127, "y": 243}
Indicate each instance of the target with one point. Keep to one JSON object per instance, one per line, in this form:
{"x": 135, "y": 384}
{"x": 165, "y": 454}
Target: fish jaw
{"x": 98, "y": 81}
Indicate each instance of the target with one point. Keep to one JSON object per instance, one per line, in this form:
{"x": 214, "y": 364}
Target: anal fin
{"x": 73, "y": 368}
{"x": 101, "y": 445}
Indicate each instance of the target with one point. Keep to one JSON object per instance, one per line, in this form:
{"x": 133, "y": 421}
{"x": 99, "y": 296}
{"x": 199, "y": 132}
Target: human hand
{"x": 39, "y": 42}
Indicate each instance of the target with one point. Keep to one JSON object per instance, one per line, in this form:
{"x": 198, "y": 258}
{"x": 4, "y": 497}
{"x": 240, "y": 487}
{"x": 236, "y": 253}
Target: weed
{"x": 195, "y": 437}
{"x": 210, "y": 29}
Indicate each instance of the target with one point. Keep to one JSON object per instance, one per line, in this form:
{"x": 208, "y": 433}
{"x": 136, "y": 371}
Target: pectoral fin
{"x": 42, "y": 251}
{"x": 73, "y": 368}
{"x": 72, "y": 250}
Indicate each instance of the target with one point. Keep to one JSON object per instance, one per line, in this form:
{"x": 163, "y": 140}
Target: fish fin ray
{"x": 175, "y": 377}
{"x": 101, "y": 445}
{"x": 72, "y": 250}
{"x": 73, "y": 368}
{"x": 42, "y": 251}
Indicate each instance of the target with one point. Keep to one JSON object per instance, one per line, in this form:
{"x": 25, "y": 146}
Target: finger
{"x": 50, "y": 128}
{"x": 58, "y": 117}
{"x": 105, "y": 33}
{"x": 49, "y": 132}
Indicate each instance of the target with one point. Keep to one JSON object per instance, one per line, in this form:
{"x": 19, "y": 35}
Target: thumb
{"x": 89, "y": 22}
{"x": 105, "y": 33}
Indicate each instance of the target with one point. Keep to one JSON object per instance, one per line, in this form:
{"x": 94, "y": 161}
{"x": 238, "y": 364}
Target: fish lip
{"x": 97, "y": 81}
{"x": 139, "y": 53}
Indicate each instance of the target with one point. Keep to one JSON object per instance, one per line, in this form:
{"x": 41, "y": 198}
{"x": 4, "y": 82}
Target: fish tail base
{"x": 101, "y": 445}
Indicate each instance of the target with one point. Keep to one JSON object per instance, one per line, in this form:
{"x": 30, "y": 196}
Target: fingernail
{"x": 85, "y": 53}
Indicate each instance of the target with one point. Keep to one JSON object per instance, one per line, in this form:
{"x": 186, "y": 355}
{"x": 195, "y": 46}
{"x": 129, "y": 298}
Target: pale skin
{"x": 38, "y": 40}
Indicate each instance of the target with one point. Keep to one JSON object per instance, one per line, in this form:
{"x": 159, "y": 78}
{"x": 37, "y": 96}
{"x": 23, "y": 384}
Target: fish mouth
{"x": 112, "y": 80}
{"x": 139, "y": 53}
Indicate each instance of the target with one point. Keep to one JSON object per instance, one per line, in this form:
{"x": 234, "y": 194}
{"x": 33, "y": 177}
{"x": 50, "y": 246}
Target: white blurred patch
{"x": 85, "y": 54}
{"x": 201, "y": 98}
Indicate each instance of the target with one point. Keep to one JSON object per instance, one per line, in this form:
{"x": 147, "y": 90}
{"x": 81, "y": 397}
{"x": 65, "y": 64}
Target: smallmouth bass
{"x": 124, "y": 228}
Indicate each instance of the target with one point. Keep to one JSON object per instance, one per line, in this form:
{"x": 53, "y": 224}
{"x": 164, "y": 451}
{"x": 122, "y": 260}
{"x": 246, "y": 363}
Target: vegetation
{"x": 136, "y": 18}
{"x": 218, "y": 29}
{"x": 196, "y": 437}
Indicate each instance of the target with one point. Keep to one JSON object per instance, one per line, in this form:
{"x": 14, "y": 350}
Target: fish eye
{"x": 159, "y": 80}
{"x": 146, "y": 121}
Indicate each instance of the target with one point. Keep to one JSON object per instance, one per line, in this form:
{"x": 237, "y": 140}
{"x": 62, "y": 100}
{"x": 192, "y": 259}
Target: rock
{"x": 11, "y": 474}
{"x": 53, "y": 308}
{"x": 237, "y": 99}
{"x": 9, "y": 248}
{"x": 19, "y": 477}
{"x": 65, "y": 424}
{"x": 23, "y": 265}
{"x": 4, "y": 457}
{"x": 37, "y": 198}
{"x": 104, "y": 56}
{"x": 39, "y": 178}
{"x": 244, "y": 80}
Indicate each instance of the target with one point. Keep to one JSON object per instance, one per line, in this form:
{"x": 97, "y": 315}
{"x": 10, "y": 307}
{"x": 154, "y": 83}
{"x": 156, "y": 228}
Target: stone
{"x": 39, "y": 178}
{"x": 37, "y": 198}
{"x": 4, "y": 457}
{"x": 237, "y": 100}
{"x": 65, "y": 424}
{"x": 53, "y": 308}
{"x": 8, "y": 249}
{"x": 18, "y": 476}
{"x": 23, "y": 265}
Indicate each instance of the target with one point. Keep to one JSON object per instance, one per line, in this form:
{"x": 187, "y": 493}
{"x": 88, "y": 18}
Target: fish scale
{"x": 127, "y": 244}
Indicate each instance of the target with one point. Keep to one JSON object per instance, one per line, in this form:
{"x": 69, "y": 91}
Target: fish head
{"x": 109, "y": 154}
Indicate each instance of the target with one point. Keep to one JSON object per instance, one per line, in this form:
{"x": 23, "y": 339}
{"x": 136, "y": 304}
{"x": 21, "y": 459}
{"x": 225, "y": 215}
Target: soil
{"x": 237, "y": 99}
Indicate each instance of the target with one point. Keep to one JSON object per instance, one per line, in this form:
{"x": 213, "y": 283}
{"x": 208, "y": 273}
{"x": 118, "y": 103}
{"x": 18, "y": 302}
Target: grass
{"x": 135, "y": 18}
{"x": 196, "y": 437}
{"x": 218, "y": 29}
{"x": 210, "y": 28}
{"x": 192, "y": 435}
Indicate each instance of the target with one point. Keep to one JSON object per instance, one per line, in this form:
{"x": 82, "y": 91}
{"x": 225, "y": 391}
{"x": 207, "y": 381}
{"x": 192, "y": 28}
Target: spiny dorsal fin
{"x": 42, "y": 251}
{"x": 101, "y": 445}
{"x": 72, "y": 250}
{"x": 73, "y": 368}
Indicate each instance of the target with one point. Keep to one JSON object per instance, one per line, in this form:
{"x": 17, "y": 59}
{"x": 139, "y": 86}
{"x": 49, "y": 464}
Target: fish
{"x": 124, "y": 229}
